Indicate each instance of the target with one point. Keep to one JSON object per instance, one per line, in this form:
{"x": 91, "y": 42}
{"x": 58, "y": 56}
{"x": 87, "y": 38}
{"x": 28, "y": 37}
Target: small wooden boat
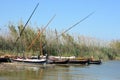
{"x": 78, "y": 61}
{"x": 94, "y": 61}
{"x": 34, "y": 61}
{"x": 59, "y": 61}
{"x": 2, "y": 60}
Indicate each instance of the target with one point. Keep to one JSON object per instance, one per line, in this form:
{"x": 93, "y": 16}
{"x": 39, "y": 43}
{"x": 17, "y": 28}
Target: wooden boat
{"x": 5, "y": 60}
{"x": 33, "y": 61}
{"x": 78, "y": 61}
{"x": 94, "y": 61}
{"x": 59, "y": 61}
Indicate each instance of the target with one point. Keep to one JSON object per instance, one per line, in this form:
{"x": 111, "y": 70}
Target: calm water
{"x": 106, "y": 71}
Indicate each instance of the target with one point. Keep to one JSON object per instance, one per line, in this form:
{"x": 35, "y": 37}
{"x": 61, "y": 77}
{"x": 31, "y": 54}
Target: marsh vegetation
{"x": 53, "y": 44}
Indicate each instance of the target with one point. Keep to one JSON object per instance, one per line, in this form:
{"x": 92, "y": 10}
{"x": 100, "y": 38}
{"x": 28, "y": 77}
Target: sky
{"x": 104, "y": 24}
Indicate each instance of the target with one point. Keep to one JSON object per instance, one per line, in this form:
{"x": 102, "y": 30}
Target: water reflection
{"x": 106, "y": 71}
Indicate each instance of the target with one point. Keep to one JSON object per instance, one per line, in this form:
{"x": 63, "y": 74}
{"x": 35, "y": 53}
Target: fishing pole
{"x": 27, "y": 23}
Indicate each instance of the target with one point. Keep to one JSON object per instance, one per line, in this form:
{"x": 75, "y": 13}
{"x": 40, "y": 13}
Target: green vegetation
{"x": 65, "y": 45}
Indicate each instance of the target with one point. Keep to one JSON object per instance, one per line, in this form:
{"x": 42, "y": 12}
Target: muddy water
{"x": 109, "y": 70}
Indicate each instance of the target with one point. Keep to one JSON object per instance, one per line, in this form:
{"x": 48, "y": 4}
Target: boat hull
{"x": 60, "y": 61}
{"x": 94, "y": 62}
{"x": 32, "y": 61}
{"x": 3, "y": 60}
{"x": 78, "y": 62}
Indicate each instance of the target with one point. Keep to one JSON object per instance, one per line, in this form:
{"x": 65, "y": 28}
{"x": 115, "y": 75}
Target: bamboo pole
{"x": 39, "y": 33}
{"x": 76, "y": 24}
{"x": 26, "y": 23}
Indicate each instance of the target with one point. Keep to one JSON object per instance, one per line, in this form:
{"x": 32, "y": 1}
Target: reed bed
{"x": 53, "y": 44}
